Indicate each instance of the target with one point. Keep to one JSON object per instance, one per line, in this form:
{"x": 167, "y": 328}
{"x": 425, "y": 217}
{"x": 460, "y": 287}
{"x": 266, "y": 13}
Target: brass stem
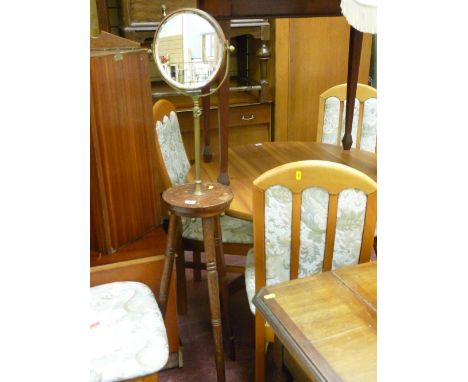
{"x": 196, "y": 132}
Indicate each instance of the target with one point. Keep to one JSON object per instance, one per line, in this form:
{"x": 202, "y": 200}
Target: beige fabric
{"x": 232, "y": 230}
{"x": 127, "y": 333}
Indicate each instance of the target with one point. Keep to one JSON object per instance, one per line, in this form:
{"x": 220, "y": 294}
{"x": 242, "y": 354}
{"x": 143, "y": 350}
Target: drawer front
{"x": 249, "y": 115}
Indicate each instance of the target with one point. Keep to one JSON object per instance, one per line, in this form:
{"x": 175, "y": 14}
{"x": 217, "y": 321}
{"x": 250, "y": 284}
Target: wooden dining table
{"x": 327, "y": 322}
{"x": 247, "y": 162}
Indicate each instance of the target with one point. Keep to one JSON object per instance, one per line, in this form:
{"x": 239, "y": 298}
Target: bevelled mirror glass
{"x": 188, "y": 49}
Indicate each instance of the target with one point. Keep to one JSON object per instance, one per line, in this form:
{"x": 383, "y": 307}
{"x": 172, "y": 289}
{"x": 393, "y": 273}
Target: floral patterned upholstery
{"x": 177, "y": 165}
{"x": 369, "y": 123}
{"x": 172, "y": 149}
{"x": 314, "y": 211}
{"x": 233, "y": 230}
{"x": 128, "y": 337}
{"x": 369, "y": 126}
{"x": 331, "y": 116}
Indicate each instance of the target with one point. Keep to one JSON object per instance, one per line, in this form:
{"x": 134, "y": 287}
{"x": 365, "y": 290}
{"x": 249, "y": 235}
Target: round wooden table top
{"x": 214, "y": 200}
{"x": 247, "y": 162}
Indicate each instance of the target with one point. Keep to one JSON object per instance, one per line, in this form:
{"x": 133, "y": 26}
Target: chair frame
{"x": 334, "y": 178}
{"x": 363, "y": 93}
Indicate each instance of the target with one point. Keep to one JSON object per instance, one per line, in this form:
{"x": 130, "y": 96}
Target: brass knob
{"x": 163, "y": 8}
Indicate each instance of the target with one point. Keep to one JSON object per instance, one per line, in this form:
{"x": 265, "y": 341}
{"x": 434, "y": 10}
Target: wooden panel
{"x": 122, "y": 137}
{"x": 103, "y": 16}
{"x": 141, "y": 261}
{"x": 281, "y": 81}
{"x": 315, "y": 60}
{"x": 270, "y": 8}
{"x": 144, "y": 11}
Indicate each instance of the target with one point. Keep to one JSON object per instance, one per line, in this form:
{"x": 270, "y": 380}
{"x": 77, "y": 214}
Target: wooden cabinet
{"x": 248, "y": 123}
{"x": 124, "y": 192}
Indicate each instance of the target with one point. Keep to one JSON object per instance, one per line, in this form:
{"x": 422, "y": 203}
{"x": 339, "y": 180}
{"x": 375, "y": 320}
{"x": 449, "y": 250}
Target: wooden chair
{"x": 128, "y": 340}
{"x": 309, "y": 217}
{"x": 237, "y": 234}
{"x": 331, "y": 120}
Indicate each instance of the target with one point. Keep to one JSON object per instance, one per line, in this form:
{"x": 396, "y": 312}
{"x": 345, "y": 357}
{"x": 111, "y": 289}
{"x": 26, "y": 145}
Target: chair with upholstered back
{"x": 237, "y": 234}
{"x": 309, "y": 217}
{"x": 331, "y": 121}
{"x": 128, "y": 340}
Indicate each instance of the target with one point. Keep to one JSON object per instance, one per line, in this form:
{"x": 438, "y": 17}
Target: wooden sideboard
{"x": 249, "y": 121}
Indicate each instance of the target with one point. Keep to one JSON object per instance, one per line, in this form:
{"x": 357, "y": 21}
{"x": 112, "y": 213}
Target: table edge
{"x": 322, "y": 373}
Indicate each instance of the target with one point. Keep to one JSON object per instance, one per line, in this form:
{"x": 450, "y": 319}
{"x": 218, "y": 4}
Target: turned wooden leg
{"x": 168, "y": 263}
{"x": 259, "y": 357}
{"x": 196, "y": 266}
{"x": 224, "y": 288}
{"x": 181, "y": 280}
{"x": 354, "y": 56}
{"x": 213, "y": 292}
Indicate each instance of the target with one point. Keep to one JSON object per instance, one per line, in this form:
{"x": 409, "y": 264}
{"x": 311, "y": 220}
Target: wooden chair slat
{"x": 367, "y": 243}
{"x": 295, "y": 235}
{"x": 330, "y": 235}
{"x": 359, "y": 125}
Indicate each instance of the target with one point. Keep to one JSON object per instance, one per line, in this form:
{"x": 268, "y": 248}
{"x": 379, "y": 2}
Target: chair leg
{"x": 196, "y": 266}
{"x": 280, "y": 375}
{"x": 259, "y": 348}
{"x": 224, "y": 289}
{"x": 181, "y": 281}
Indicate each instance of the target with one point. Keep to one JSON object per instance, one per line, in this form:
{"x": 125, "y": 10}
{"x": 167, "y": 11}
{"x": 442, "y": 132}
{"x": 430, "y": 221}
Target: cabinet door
{"x": 124, "y": 196}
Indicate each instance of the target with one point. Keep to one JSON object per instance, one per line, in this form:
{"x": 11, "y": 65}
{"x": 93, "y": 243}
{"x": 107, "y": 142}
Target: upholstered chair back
{"x": 332, "y": 112}
{"x": 311, "y": 216}
{"x": 173, "y": 162}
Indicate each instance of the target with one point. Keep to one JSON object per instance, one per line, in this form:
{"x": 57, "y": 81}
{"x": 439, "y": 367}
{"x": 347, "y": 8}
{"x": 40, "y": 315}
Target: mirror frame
{"x": 217, "y": 28}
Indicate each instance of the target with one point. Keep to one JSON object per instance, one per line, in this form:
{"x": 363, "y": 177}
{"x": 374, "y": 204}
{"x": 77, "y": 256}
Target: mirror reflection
{"x": 188, "y": 50}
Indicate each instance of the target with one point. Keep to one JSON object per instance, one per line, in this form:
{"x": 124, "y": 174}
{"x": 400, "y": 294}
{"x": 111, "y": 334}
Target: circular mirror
{"x": 188, "y": 49}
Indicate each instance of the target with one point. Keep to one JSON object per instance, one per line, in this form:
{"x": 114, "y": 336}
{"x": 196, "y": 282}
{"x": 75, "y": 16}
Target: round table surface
{"x": 247, "y": 162}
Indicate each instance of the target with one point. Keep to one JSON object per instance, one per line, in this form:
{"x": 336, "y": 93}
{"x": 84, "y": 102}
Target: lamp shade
{"x": 361, "y": 14}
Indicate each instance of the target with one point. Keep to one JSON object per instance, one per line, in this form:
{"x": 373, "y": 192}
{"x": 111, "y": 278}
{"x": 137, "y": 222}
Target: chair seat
{"x": 128, "y": 336}
{"x": 233, "y": 230}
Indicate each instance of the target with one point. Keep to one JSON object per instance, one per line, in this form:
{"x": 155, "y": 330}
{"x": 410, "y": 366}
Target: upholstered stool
{"x": 128, "y": 336}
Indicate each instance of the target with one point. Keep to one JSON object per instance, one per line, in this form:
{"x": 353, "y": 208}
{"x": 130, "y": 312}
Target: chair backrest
{"x": 172, "y": 159}
{"x": 331, "y": 122}
{"x": 311, "y": 216}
